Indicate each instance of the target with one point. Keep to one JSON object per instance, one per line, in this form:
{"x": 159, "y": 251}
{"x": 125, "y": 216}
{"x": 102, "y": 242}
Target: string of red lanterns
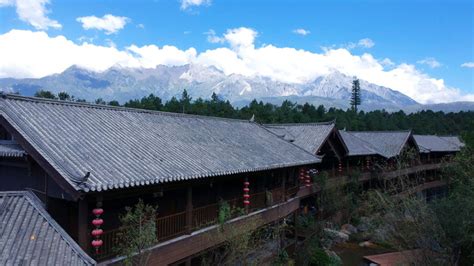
{"x": 246, "y": 194}
{"x": 307, "y": 180}
{"x": 339, "y": 168}
{"x": 302, "y": 174}
{"x": 97, "y": 232}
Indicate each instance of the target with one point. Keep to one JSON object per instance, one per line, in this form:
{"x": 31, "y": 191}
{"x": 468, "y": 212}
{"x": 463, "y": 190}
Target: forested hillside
{"x": 424, "y": 122}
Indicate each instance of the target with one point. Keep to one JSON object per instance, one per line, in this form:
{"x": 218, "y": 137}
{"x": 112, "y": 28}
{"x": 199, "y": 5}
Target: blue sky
{"x": 429, "y": 39}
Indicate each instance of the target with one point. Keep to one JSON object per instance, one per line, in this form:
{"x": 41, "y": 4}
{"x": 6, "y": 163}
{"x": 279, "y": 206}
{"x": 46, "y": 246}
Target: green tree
{"x": 355, "y": 97}
{"x": 185, "y": 101}
{"x": 64, "y": 96}
{"x": 100, "y": 101}
{"x": 114, "y": 103}
{"x": 151, "y": 102}
{"x": 139, "y": 233}
{"x": 45, "y": 94}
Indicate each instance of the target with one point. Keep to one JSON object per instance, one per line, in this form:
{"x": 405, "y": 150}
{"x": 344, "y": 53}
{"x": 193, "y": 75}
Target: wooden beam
{"x": 283, "y": 184}
{"x": 334, "y": 149}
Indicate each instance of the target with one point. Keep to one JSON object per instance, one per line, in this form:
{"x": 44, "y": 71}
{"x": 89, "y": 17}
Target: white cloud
{"x": 430, "y": 61}
{"x": 140, "y": 26}
{"x": 86, "y": 39}
{"x": 366, "y": 43}
{"x": 468, "y": 65}
{"x": 33, "y": 12}
{"x": 387, "y": 62}
{"x": 212, "y": 37}
{"x": 301, "y": 32}
{"x": 35, "y": 54}
{"x": 186, "y": 4}
{"x": 241, "y": 37}
{"x": 362, "y": 43}
{"x": 108, "y": 23}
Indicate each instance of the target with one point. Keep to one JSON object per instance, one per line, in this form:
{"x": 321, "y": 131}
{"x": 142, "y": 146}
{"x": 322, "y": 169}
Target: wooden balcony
{"x": 172, "y": 226}
{"x": 177, "y": 241}
{"x": 186, "y": 245}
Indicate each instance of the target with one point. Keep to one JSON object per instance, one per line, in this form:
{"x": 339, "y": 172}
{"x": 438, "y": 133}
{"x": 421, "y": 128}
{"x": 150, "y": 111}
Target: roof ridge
{"x": 303, "y": 124}
{"x": 382, "y": 131}
{"x": 113, "y": 108}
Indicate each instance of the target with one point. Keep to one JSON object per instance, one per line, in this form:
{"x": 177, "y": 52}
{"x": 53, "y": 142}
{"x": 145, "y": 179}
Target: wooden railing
{"x": 171, "y": 226}
{"x": 110, "y": 239}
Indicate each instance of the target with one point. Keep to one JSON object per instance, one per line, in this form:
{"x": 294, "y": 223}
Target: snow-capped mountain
{"x": 123, "y": 84}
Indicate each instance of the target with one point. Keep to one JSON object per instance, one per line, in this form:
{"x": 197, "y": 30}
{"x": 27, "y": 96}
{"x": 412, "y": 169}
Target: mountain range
{"x": 123, "y": 84}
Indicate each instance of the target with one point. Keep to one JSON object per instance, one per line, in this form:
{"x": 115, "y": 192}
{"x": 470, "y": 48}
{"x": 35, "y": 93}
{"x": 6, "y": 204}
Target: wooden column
{"x": 83, "y": 225}
{"x": 283, "y": 184}
{"x": 189, "y": 209}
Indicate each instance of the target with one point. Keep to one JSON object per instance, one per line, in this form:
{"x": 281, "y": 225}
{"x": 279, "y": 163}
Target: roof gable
{"x": 123, "y": 147}
{"x": 384, "y": 143}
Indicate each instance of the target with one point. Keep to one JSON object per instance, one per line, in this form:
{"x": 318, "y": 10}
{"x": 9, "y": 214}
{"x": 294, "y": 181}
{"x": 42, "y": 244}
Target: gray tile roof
{"x": 356, "y": 146}
{"x": 309, "y": 136}
{"x": 29, "y": 236}
{"x": 123, "y": 147}
{"x": 455, "y": 140}
{"x": 431, "y": 143}
{"x": 9, "y": 148}
{"x": 384, "y": 143}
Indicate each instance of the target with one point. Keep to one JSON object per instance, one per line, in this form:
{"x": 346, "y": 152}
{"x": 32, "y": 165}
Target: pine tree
{"x": 355, "y": 97}
{"x": 185, "y": 101}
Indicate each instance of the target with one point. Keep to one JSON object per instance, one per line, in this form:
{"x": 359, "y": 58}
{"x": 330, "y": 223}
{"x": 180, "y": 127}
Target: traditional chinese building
{"x": 87, "y": 162}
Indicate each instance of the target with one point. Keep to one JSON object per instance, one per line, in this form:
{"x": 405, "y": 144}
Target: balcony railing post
{"x": 189, "y": 209}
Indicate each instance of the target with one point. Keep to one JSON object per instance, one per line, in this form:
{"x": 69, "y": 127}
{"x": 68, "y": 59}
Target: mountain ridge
{"x": 123, "y": 84}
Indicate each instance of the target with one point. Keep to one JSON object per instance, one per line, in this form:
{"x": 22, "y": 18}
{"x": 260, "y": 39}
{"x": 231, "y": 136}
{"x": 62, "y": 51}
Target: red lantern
{"x": 246, "y": 189}
{"x": 97, "y": 243}
{"x": 97, "y": 222}
{"x": 246, "y": 202}
{"x": 97, "y": 232}
{"x": 98, "y": 211}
